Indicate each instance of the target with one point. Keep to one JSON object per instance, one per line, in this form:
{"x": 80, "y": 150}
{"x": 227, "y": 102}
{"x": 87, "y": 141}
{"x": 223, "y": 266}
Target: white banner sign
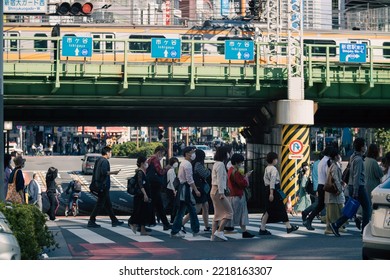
{"x": 25, "y": 6}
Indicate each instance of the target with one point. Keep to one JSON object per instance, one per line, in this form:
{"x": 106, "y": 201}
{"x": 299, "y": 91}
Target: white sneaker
{"x": 220, "y": 235}
{"x": 177, "y": 235}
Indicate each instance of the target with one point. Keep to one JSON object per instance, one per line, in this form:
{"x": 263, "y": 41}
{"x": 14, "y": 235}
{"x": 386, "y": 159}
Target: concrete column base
{"x": 295, "y": 112}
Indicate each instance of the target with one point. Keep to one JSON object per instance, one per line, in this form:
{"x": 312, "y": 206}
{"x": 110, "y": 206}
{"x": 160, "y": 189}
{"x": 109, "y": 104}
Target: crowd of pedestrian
{"x": 190, "y": 185}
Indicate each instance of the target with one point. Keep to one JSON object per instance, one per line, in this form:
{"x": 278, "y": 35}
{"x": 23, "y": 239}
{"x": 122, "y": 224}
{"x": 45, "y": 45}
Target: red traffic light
{"x": 74, "y": 9}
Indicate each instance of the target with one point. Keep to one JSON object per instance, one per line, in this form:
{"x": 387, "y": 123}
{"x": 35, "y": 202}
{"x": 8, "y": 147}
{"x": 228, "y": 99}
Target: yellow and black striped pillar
{"x": 292, "y": 157}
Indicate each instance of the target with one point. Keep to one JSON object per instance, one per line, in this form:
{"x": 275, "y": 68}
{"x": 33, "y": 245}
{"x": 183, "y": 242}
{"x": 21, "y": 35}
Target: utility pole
{"x": 2, "y": 193}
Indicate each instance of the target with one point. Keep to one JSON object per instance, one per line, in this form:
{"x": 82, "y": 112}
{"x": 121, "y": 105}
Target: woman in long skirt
{"x": 275, "y": 209}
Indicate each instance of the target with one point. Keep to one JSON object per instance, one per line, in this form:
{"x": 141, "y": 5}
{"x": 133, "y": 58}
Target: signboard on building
{"x": 353, "y": 53}
{"x": 166, "y": 48}
{"x": 225, "y": 5}
{"x": 167, "y": 12}
{"x": 25, "y": 6}
{"x": 77, "y": 46}
{"x": 239, "y": 50}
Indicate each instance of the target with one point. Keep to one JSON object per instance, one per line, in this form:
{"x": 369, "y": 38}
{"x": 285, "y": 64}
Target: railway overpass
{"x": 168, "y": 92}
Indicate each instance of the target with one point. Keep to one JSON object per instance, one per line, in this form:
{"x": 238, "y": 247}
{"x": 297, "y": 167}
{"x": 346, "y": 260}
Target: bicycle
{"x": 75, "y": 206}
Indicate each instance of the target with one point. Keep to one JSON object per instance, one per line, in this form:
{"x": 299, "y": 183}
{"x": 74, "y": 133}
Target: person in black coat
{"x": 51, "y": 191}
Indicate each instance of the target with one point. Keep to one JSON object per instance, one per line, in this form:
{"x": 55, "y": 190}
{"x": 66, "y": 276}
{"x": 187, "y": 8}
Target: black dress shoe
{"x": 167, "y": 227}
{"x": 264, "y": 232}
{"x": 229, "y": 228}
{"x": 308, "y": 226}
{"x": 93, "y": 224}
{"x": 117, "y": 223}
{"x": 246, "y": 234}
{"x": 292, "y": 228}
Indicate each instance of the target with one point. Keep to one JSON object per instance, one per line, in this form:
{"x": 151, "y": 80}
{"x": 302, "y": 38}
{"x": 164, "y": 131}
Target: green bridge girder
{"x": 160, "y": 86}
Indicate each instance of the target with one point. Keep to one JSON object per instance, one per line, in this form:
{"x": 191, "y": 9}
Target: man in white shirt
{"x": 322, "y": 173}
{"x": 185, "y": 199}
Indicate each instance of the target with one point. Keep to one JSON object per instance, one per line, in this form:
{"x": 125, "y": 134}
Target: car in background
{"x": 207, "y": 150}
{"x": 89, "y": 163}
{"x": 376, "y": 235}
{"x": 9, "y": 246}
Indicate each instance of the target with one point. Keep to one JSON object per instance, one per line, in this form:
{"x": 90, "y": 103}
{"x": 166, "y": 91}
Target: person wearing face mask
{"x": 142, "y": 212}
{"x": 171, "y": 191}
{"x": 200, "y": 174}
{"x": 155, "y": 174}
{"x": 304, "y": 198}
{"x": 334, "y": 201}
{"x": 184, "y": 198}
{"x": 356, "y": 185}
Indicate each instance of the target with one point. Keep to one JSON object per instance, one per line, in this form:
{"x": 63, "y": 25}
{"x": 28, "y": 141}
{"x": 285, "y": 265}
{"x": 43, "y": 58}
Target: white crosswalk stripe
{"x": 79, "y": 228}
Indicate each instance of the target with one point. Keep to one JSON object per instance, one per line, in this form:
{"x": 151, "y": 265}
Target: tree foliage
{"x": 382, "y": 137}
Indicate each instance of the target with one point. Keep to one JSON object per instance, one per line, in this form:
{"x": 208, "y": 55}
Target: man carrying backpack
{"x": 74, "y": 188}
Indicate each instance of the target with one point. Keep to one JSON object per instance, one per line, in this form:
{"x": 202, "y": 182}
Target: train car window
{"x": 386, "y": 52}
{"x": 40, "y": 45}
{"x": 186, "y": 47}
{"x": 109, "y": 44}
{"x": 142, "y": 47}
{"x": 96, "y": 43}
{"x": 13, "y": 44}
{"x": 319, "y": 51}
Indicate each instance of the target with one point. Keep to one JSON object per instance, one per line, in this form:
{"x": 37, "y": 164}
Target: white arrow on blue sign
{"x": 239, "y": 50}
{"x": 350, "y": 52}
{"x": 76, "y": 46}
{"x": 166, "y": 48}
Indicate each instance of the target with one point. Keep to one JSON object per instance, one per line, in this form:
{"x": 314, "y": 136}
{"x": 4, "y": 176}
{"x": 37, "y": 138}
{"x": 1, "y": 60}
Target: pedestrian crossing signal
{"x": 75, "y": 9}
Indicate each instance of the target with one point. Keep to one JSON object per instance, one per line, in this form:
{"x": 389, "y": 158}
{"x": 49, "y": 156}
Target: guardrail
{"x": 201, "y": 60}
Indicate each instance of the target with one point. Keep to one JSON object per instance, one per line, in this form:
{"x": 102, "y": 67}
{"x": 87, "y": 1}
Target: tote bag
{"x": 12, "y": 195}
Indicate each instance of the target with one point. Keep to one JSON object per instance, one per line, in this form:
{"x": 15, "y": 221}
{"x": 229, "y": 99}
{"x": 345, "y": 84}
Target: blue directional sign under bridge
{"x": 353, "y": 53}
{"x": 239, "y": 50}
{"x": 166, "y": 48}
{"x": 76, "y": 46}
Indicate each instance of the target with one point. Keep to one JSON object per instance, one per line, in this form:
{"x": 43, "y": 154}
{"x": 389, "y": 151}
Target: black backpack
{"x": 132, "y": 185}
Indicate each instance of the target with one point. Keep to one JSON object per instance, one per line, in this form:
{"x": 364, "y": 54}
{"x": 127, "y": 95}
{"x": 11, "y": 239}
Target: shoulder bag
{"x": 12, "y": 195}
{"x": 330, "y": 185}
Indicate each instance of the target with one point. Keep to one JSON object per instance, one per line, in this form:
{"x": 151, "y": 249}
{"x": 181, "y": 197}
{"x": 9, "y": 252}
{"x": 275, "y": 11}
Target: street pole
{"x": 2, "y": 193}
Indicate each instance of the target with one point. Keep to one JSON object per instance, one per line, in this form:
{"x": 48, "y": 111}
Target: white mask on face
{"x": 175, "y": 165}
{"x": 228, "y": 165}
{"x": 193, "y": 156}
{"x": 146, "y": 165}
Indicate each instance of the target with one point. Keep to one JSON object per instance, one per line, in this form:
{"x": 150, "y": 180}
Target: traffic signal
{"x": 160, "y": 133}
{"x": 74, "y": 9}
{"x": 252, "y": 7}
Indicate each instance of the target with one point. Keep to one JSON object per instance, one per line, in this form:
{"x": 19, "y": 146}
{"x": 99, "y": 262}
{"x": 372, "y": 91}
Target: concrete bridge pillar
{"x": 295, "y": 116}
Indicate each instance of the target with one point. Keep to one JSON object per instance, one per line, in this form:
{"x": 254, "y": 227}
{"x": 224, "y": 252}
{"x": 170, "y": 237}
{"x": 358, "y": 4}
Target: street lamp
{"x": 7, "y": 128}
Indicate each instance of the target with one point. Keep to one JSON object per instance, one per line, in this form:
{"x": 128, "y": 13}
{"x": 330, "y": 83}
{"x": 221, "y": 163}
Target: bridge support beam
{"x": 295, "y": 116}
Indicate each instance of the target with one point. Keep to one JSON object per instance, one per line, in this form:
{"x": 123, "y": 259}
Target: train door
{"x": 198, "y": 47}
{"x": 103, "y": 47}
{"x": 11, "y": 47}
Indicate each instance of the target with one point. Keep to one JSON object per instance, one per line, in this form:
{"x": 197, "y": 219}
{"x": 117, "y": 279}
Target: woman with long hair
{"x": 143, "y": 210}
{"x": 51, "y": 191}
{"x": 372, "y": 170}
{"x": 223, "y": 211}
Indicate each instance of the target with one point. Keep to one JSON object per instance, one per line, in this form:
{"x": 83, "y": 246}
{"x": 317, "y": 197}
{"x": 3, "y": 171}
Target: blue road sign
{"x": 239, "y": 49}
{"x": 76, "y": 46}
{"x": 166, "y": 48}
{"x": 353, "y": 53}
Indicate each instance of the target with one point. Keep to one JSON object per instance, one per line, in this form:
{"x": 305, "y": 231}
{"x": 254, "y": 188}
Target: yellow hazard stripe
{"x": 289, "y": 167}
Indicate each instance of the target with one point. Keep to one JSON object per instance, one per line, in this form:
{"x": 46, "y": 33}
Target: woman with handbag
{"x": 223, "y": 211}
{"x": 237, "y": 183}
{"x": 275, "y": 210}
{"x": 15, "y": 193}
{"x": 201, "y": 174}
{"x": 334, "y": 201}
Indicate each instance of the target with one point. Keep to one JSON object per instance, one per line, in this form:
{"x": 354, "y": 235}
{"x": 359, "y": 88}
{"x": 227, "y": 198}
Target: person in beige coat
{"x": 223, "y": 211}
{"x": 334, "y": 201}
